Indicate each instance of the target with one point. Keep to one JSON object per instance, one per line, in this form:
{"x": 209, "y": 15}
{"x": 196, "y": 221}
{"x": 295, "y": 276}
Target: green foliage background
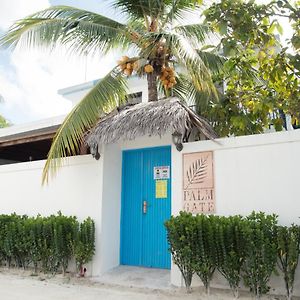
{"x": 261, "y": 74}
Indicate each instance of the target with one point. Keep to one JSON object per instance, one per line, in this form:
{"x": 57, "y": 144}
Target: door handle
{"x": 144, "y": 207}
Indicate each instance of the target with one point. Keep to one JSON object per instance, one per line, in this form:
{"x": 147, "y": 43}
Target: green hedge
{"x": 45, "y": 243}
{"x": 240, "y": 248}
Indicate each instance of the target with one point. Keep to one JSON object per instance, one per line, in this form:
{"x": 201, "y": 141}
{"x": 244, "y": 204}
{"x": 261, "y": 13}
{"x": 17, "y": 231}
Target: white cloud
{"x": 12, "y": 10}
{"x": 30, "y": 82}
{"x": 30, "y": 91}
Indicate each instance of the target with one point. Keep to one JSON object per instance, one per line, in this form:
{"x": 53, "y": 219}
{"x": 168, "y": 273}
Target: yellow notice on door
{"x": 161, "y": 188}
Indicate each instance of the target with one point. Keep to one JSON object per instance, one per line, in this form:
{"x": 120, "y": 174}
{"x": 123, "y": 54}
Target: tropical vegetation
{"x": 177, "y": 46}
{"x": 3, "y": 122}
{"x": 46, "y": 244}
{"x": 247, "y": 249}
{"x": 164, "y": 49}
{"x": 262, "y": 71}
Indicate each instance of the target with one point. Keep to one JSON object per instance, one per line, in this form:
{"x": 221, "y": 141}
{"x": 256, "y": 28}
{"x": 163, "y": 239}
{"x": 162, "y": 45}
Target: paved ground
{"x": 21, "y": 286}
{"x": 14, "y": 287}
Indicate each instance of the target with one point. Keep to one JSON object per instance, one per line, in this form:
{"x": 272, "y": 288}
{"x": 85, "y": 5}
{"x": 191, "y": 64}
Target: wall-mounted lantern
{"x": 177, "y": 140}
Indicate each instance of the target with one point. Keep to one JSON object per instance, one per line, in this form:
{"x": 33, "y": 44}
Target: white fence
{"x": 252, "y": 173}
{"x": 257, "y": 172}
{"x": 76, "y": 190}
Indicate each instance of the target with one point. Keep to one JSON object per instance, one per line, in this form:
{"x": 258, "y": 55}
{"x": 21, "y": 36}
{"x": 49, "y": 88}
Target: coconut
{"x": 136, "y": 65}
{"x": 123, "y": 67}
{"x": 165, "y": 82}
{"x": 148, "y": 69}
{"x": 128, "y": 72}
{"x": 124, "y": 58}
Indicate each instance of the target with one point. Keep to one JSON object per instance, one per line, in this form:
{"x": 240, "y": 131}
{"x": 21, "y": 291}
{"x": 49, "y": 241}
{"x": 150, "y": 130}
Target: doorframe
{"x": 122, "y": 189}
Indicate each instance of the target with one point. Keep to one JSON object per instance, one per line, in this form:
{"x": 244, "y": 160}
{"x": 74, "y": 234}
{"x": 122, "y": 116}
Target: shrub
{"x": 85, "y": 243}
{"x": 181, "y": 237}
{"x": 204, "y": 250}
{"x": 261, "y": 251}
{"x": 46, "y": 243}
{"x": 288, "y": 250}
{"x": 230, "y": 248}
{"x": 64, "y": 238}
{"x": 239, "y": 247}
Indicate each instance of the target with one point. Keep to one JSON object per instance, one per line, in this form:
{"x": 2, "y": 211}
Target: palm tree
{"x": 153, "y": 32}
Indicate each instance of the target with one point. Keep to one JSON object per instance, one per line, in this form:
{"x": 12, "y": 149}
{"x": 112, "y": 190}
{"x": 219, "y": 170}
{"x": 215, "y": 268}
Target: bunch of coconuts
{"x": 129, "y": 65}
{"x": 167, "y": 77}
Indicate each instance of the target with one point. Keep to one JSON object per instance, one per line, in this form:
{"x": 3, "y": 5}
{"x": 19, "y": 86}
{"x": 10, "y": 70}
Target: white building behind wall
{"x": 258, "y": 172}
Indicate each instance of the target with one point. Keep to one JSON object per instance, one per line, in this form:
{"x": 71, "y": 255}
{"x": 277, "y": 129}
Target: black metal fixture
{"x": 177, "y": 140}
{"x": 95, "y": 153}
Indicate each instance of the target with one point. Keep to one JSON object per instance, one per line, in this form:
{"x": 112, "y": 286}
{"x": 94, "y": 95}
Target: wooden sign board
{"x": 198, "y": 183}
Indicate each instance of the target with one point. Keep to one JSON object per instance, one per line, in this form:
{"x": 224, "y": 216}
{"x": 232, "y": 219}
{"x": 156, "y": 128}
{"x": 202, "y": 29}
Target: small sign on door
{"x": 162, "y": 172}
{"x": 161, "y": 189}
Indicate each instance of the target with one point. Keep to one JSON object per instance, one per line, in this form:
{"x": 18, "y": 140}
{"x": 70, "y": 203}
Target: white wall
{"x": 111, "y": 207}
{"x": 76, "y": 190}
{"x": 258, "y": 172}
{"x": 77, "y": 92}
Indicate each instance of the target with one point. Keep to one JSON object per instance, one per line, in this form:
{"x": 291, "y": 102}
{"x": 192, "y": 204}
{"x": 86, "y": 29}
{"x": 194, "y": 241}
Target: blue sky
{"x": 29, "y": 80}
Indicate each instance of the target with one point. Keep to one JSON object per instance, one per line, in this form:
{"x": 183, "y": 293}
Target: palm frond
{"x": 177, "y": 9}
{"x": 213, "y": 61}
{"x": 196, "y": 33}
{"x": 108, "y": 93}
{"x": 64, "y": 25}
{"x": 187, "y": 92}
{"x": 190, "y": 62}
{"x": 139, "y": 9}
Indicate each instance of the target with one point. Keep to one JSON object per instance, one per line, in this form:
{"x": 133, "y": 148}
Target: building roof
{"x": 30, "y": 132}
{"x": 147, "y": 119}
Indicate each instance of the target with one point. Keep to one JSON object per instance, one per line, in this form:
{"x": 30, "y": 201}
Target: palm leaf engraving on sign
{"x": 197, "y": 171}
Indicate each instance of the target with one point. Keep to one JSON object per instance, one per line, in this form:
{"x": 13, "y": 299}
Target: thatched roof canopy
{"x": 146, "y": 119}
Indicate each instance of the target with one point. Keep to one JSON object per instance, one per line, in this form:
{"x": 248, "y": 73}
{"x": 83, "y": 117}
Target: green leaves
{"x": 238, "y": 247}
{"x": 80, "y": 30}
{"x": 181, "y": 237}
{"x": 262, "y": 78}
{"x": 230, "y": 243}
{"x": 84, "y": 249}
{"x": 3, "y": 122}
{"x": 49, "y": 243}
{"x": 261, "y": 252}
{"x": 154, "y": 31}
{"x": 108, "y": 93}
{"x": 288, "y": 251}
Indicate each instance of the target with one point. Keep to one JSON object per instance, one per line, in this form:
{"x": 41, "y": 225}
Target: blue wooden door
{"x": 143, "y": 235}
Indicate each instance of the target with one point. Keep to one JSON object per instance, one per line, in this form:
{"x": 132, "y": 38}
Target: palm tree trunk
{"x": 152, "y": 87}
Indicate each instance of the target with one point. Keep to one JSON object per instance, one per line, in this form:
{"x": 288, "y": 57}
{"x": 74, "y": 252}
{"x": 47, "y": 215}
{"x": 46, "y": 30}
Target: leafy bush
{"x": 288, "y": 249}
{"x": 181, "y": 237}
{"x": 46, "y": 243}
{"x": 230, "y": 246}
{"x": 85, "y": 243}
{"x": 261, "y": 251}
{"x": 204, "y": 250}
{"x": 239, "y": 247}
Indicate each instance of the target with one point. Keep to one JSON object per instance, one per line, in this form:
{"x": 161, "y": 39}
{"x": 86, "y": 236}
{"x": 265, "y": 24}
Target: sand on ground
{"x": 19, "y": 285}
